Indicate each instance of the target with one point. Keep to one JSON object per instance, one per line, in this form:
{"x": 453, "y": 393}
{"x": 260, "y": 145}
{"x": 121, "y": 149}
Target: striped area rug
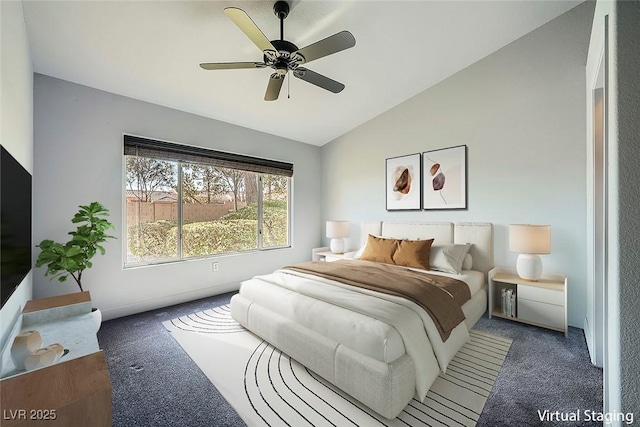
{"x": 267, "y": 388}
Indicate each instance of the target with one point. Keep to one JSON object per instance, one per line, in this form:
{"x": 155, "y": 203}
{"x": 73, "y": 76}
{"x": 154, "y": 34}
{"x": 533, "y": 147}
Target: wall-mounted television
{"x": 15, "y": 223}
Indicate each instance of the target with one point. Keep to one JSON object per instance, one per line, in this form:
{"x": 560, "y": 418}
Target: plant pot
{"x": 97, "y": 318}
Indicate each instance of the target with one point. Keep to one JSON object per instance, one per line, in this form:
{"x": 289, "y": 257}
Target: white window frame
{"x": 179, "y": 257}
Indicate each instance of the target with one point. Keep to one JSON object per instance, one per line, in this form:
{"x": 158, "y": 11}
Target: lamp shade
{"x": 530, "y": 239}
{"x": 337, "y": 229}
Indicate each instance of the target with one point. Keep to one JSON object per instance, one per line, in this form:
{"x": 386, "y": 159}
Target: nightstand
{"x": 325, "y": 254}
{"x": 542, "y": 303}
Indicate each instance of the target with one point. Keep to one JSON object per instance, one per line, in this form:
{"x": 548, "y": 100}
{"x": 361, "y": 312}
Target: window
{"x": 186, "y": 202}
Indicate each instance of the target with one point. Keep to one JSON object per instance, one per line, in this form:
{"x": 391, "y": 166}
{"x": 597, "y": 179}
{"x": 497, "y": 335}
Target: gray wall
{"x": 16, "y": 123}
{"x": 628, "y": 128}
{"x": 521, "y": 113}
{"x": 78, "y": 159}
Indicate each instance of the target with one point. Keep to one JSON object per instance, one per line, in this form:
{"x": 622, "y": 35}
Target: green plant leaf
{"x": 74, "y": 256}
{"x": 72, "y": 251}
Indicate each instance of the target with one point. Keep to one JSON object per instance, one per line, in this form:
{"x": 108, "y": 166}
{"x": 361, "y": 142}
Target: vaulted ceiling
{"x": 150, "y": 50}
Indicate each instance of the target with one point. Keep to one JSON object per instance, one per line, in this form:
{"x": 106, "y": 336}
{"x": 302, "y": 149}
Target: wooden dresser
{"x": 76, "y": 391}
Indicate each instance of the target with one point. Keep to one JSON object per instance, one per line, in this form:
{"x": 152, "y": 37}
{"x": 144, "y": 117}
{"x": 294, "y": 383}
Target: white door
{"x": 596, "y": 197}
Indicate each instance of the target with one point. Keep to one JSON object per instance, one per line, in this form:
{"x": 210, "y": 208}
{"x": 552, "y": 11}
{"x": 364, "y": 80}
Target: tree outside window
{"x": 179, "y": 210}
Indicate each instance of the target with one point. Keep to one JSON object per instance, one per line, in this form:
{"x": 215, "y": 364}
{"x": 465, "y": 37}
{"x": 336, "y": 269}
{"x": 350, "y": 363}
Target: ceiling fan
{"x": 284, "y": 56}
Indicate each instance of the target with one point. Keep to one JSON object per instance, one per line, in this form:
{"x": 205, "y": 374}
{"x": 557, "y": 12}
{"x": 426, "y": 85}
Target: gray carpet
{"x": 155, "y": 383}
{"x": 543, "y": 370}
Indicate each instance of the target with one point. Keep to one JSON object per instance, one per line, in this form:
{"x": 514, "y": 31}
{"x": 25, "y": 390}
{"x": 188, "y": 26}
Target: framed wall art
{"x": 445, "y": 178}
{"x": 403, "y": 183}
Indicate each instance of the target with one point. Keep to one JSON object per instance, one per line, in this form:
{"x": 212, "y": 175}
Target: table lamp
{"x": 337, "y": 231}
{"x": 529, "y": 240}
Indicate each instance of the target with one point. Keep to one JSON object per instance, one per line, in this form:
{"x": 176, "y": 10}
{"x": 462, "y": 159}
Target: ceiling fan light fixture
{"x": 281, "y": 69}
{"x": 282, "y": 55}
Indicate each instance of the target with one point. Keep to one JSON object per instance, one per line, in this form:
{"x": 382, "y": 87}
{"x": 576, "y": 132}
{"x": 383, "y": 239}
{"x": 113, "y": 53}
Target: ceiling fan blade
{"x": 246, "y": 24}
{"x": 273, "y": 88}
{"x": 332, "y": 44}
{"x": 318, "y": 80}
{"x": 231, "y": 65}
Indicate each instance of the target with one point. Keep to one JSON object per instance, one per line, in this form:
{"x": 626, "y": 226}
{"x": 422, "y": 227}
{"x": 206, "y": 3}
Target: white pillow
{"x": 358, "y": 254}
{"x": 448, "y": 258}
{"x": 467, "y": 264}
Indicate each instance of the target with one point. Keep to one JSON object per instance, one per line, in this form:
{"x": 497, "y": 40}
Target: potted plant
{"x": 73, "y": 257}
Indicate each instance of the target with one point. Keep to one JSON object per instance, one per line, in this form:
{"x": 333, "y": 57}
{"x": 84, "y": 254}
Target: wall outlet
{"x": 215, "y": 266}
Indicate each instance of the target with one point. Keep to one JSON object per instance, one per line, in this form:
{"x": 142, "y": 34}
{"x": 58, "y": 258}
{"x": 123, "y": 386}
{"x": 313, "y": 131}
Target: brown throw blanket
{"x": 441, "y": 297}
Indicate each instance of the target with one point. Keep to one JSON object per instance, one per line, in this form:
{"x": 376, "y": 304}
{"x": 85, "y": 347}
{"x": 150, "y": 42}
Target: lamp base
{"x": 337, "y": 246}
{"x": 529, "y": 267}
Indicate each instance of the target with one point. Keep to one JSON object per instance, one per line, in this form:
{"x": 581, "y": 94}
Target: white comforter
{"x": 407, "y": 318}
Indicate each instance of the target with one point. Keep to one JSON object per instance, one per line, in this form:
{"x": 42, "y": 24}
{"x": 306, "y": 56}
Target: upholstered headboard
{"x": 478, "y": 234}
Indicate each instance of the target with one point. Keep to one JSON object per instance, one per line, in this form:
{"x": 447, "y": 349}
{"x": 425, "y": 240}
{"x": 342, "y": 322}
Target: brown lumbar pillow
{"x": 379, "y": 249}
{"x": 413, "y": 253}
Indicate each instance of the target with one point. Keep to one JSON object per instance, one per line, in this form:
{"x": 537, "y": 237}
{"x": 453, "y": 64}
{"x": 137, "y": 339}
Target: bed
{"x": 381, "y": 349}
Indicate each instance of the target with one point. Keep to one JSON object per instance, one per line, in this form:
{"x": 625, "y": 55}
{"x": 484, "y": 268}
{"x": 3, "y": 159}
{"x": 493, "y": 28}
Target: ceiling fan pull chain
{"x": 288, "y": 87}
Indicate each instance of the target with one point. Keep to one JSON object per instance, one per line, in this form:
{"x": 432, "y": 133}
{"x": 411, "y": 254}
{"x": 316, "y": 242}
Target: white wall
{"x": 624, "y": 315}
{"x": 16, "y": 122}
{"x": 622, "y": 296}
{"x": 521, "y": 113}
{"x": 78, "y": 159}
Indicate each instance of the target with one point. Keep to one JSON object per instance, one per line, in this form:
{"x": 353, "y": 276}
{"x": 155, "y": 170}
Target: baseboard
{"x": 155, "y": 303}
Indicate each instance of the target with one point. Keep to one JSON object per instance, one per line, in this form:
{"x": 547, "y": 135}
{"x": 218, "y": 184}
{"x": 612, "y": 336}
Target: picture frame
{"x": 403, "y": 183}
{"x": 445, "y": 178}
